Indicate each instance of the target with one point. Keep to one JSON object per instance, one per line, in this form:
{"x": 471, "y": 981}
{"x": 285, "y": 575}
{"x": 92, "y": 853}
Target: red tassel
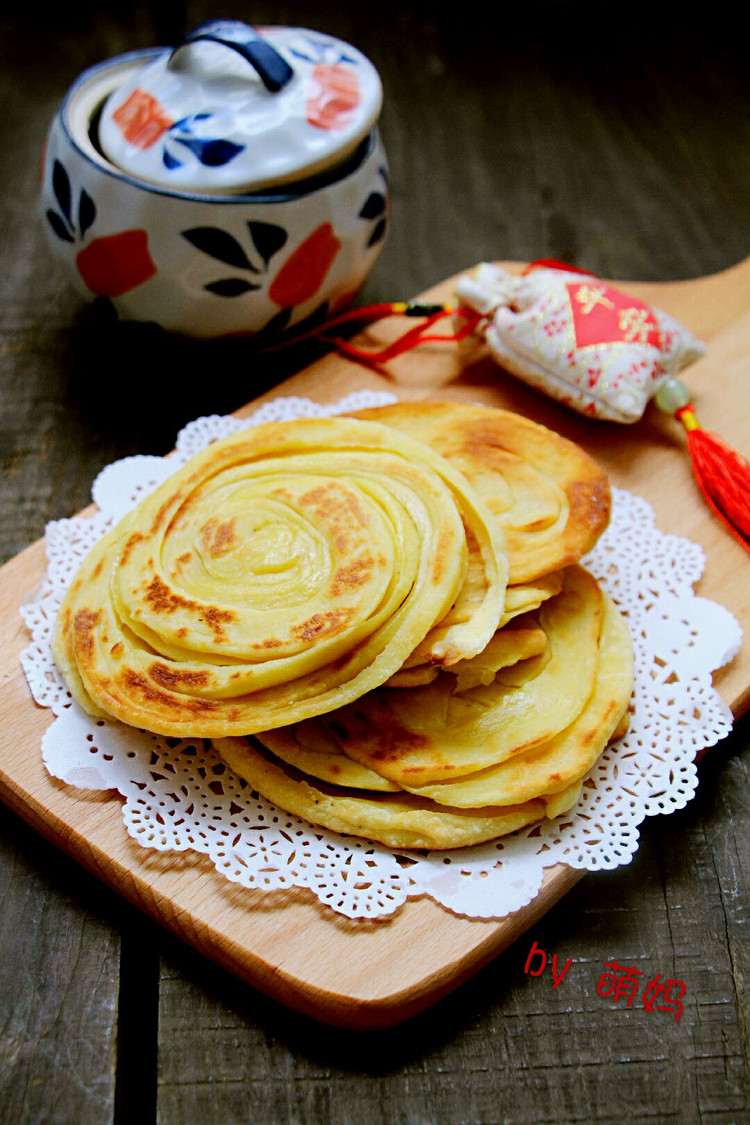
{"x": 722, "y": 474}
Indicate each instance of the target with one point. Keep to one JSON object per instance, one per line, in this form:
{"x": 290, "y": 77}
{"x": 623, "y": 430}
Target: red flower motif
{"x": 141, "y": 119}
{"x": 304, "y": 271}
{"x": 334, "y": 96}
{"x": 116, "y": 263}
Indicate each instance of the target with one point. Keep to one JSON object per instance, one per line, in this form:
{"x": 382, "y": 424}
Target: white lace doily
{"x": 179, "y": 796}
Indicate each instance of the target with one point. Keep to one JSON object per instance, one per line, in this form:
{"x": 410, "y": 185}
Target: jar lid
{"x": 233, "y": 109}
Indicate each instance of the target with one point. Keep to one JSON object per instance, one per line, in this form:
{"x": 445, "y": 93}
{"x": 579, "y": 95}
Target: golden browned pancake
{"x": 399, "y": 820}
{"x": 303, "y": 770}
{"x": 433, "y": 733}
{"x": 555, "y": 765}
{"x": 339, "y": 587}
{"x": 523, "y": 597}
{"x": 550, "y": 498}
{"x": 282, "y": 572}
{"x": 310, "y": 748}
{"x": 509, "y": 645}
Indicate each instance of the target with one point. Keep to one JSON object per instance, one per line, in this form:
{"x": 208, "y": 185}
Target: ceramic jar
{"x": 197, "y": 191}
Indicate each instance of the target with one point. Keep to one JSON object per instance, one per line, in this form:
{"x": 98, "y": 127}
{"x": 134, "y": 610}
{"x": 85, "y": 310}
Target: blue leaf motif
{"x": 185, "y": 124}
{"x": 61, "y": 188}
{"x": 58, "y": 226}
{"x": 374, "y": 206}
{"x": 267, "y": 238}
{"x": 317, "y": 51}
{"x": 211, "y": 153}
{"x": 86, "y": 211}
{"x": 220, "y": 245}
{"x": 169, "y": 160}
{"x": 230, "y": 287}
{"x": 378, "y": 234}
{"x": 274, "y": 325}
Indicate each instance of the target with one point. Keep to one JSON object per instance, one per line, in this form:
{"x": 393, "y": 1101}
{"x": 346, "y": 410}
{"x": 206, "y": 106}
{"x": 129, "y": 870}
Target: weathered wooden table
{"x": 546, "y": 132}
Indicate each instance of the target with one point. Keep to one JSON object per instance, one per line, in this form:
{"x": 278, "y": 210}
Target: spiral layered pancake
{"x": 329, "y": 601}
{"x": 432, "y": 733}
{"x": 550, "y": 498}
{"x": 360, "y": 771}
{"x": 281, "y": 573}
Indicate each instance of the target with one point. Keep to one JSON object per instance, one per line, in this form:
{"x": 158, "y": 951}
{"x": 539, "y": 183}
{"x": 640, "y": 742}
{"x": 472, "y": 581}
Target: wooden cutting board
{"x": 362, "y": 974}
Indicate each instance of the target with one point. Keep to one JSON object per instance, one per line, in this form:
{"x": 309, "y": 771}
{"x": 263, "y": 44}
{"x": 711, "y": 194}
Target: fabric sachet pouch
{"x": 577, "y": 338}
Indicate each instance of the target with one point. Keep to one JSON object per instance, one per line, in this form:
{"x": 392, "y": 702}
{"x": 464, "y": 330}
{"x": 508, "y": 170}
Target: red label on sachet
{"x": 602, "y": 315}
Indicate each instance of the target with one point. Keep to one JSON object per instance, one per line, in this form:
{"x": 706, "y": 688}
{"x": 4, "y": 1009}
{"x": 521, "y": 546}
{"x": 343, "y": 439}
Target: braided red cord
{"x": 369, "y": 314}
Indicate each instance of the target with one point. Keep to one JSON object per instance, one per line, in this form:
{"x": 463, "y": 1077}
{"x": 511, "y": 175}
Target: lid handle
{"x": 272, "y": 68}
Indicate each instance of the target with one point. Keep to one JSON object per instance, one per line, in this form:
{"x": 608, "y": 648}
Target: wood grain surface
{"x": 521, "y": 135}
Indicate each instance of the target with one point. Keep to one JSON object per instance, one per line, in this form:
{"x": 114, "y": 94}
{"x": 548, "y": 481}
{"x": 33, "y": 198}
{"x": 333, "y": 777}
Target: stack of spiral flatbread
{"x": 379, "y": 619}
